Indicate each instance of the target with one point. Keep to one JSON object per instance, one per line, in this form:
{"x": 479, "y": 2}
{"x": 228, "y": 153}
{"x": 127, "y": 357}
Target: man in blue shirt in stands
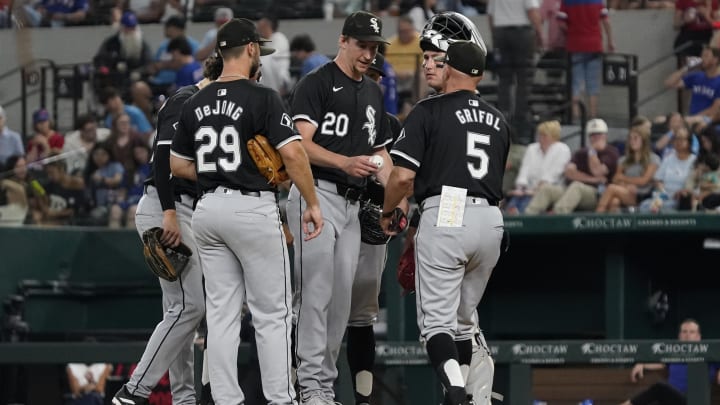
{"x": 673, "y": 392}
{"x": 702, "y": 78}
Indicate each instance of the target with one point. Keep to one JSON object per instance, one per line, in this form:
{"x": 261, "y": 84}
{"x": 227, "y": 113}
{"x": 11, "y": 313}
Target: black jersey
{"x": 375, "y": 192}
{"x": 457, "y": 140}
{"x": 348, "y": 116}
{"x": 215, "y": 126}
{"x": 168, "y": 116}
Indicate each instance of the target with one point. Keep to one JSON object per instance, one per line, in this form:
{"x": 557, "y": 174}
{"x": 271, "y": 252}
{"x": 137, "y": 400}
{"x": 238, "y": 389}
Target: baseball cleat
{"x": 123, "y": 397}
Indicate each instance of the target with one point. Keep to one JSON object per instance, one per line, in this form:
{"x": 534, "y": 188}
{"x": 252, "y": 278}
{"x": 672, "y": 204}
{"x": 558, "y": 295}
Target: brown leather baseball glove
{"x": 165, "y": 262}
{"x": 267, "y": 159}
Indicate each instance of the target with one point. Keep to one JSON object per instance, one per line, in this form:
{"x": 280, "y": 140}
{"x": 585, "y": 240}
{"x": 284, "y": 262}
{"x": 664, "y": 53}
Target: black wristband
{"x": 388, "y": 214}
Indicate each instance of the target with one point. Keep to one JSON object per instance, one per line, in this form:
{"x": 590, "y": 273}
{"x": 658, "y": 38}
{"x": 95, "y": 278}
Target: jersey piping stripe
{"x": 405, "y": 156}
{"x": 419, "y": 281}
{"x": 182, "y": 309}
{"x": 299, "y": 286}
{"x": 181, "y": 156}
{"x": 283, "y": 245}
{"x": 287, "y": 141}
{"x": 168, "y": 142}
{"x": 305, "y": 118}
{"x": 382, "y": 145}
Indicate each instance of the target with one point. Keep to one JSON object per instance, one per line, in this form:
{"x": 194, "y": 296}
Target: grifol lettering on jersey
{"x": 374, "y": 25}
{"x": 469, "y": 115}
{"x": 370, "y": 124}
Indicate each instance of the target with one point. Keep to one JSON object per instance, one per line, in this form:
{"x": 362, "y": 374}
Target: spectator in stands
{"x": 588, "y": 169}
{"x": 46, "y": 140}
{"x": 150, "y": 11}
{"x": 78, "y": 143}
{"x": 165, "y": 65}
{"x": 302, "y": 49}
{"x": 276, "y": 66}
{"x": 5, "y": 6}
{"x": 103, "y": 176}
{"x": 125, "y": 54}
{"x": 57, "y": 13}
{"x": 134, "y": 183}
{"x": 11, "y": 143}
{"x": 404, "y": 54}
{"x": 516, "y": 33}
{"x": 544, "y": 163}
{"x": 122, "y": 140}
{"x": 555, "y": 37}
{"x": 633, "y": 180}
{"x": 34, "y": 191}
{"x": 704, "y": 85}
{"x": 65, "y": 194}
{"x": 207, "y": 46}
{"x": 694, "y": 21}
{"x": 582, "y": 21}
{"x": 87, "y": 382}
{"x": 142, "y": 97}
{"x": 673, "y": 392}
{"x": 703, "y": 180}
{"x": 421, "y": 11}
{"x": 664, "y": 145}
{"x": 189, "y": 71}
{"x": 114, "y": 106}
{"x": 13, "y": 198}
{"x": 670, "y": 177}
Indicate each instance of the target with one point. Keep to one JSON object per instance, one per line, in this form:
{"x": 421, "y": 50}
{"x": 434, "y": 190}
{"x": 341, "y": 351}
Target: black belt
{"x": 352, "y": 194}
{"x": 250, "y": 193}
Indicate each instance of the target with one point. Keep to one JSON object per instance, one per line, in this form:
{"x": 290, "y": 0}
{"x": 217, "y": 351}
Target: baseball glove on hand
{"x": 370, "y": 230}
{"x": 406, "y": 270}
{"x": 267, "y": 159}
{"x": 165, "y": 262}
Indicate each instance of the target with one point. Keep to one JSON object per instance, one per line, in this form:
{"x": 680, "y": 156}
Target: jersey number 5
{"x": 229, "y": 141}
{"x": 473, "y": 140}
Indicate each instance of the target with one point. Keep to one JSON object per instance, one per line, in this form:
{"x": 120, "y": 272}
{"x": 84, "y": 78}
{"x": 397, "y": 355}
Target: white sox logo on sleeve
{"x": 370, "y": 124}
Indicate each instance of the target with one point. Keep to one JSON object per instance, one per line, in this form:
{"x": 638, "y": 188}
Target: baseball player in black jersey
{"x": 439, "y": 32}
{"x": 168, "y": 203}
{"x": 237, "y": 222}
{"x": 339, "y": 113}
{"x": 364, "y": 306}
{"x": 452, "y": 153}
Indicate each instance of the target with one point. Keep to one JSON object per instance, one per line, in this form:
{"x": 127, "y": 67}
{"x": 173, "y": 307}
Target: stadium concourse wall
{"x": 646, "y": 33}
{"x": 564, "y": 277}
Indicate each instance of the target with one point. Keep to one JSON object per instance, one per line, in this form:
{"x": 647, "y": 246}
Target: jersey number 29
{"x": 229, "y": 141}
{"x": 473, "y": 139}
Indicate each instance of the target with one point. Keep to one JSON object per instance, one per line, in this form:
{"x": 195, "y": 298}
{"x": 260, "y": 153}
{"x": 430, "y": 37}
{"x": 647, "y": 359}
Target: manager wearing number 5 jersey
{"x": 236, "y": 223}
{"x": 452, "y": 147}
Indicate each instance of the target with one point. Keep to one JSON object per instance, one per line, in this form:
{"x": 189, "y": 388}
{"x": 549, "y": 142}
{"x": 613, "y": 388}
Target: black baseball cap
{"x": 364, "y": 26}
{"x": 378, "y": 63}
{"x": 466, "y": 57}
{"x": 239, "y": 32}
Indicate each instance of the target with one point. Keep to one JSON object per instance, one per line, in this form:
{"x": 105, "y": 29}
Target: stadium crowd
{"x": 94, "y": 174}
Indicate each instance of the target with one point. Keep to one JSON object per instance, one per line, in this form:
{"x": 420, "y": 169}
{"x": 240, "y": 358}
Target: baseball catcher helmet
{"x": 444, "y": 28}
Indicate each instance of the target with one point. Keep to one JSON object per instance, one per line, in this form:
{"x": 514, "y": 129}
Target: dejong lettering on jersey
{"x": 224, "y": 107}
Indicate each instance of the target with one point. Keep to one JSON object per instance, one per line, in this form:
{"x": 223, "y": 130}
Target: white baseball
{"x": 378, "y": 160}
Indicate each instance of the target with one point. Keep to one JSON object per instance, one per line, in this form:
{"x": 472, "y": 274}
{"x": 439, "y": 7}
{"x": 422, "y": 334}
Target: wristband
{"x": 388, "y": 214}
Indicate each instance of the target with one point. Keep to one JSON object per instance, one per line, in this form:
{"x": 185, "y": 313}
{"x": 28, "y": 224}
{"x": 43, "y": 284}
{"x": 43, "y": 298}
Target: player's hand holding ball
{"x": 360, "y": 166}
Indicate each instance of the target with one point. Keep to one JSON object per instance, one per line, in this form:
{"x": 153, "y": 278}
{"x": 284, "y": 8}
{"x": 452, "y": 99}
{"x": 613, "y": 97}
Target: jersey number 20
{"x": 229, "y": 141}
{"x": 473, "y": 139}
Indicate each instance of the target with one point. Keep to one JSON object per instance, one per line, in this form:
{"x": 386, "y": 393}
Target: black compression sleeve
{"x": 165, "y": 189}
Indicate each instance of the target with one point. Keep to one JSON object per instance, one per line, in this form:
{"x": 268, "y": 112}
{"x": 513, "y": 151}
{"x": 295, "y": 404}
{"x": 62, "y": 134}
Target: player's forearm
{"x": 399, "y": 185}
{"x": 183, "y": 168}
{"x": 320, "y": 156}
{"x": 298, "y": 168}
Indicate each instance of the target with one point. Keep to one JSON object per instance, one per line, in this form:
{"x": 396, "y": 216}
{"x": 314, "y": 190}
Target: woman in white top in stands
{"x": 633, "y": 180}
{"x": 544, "y": 162}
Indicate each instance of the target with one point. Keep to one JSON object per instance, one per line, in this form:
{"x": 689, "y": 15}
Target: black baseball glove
{"x": 370, "y": 230}
{"x": 165, "y": 262}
